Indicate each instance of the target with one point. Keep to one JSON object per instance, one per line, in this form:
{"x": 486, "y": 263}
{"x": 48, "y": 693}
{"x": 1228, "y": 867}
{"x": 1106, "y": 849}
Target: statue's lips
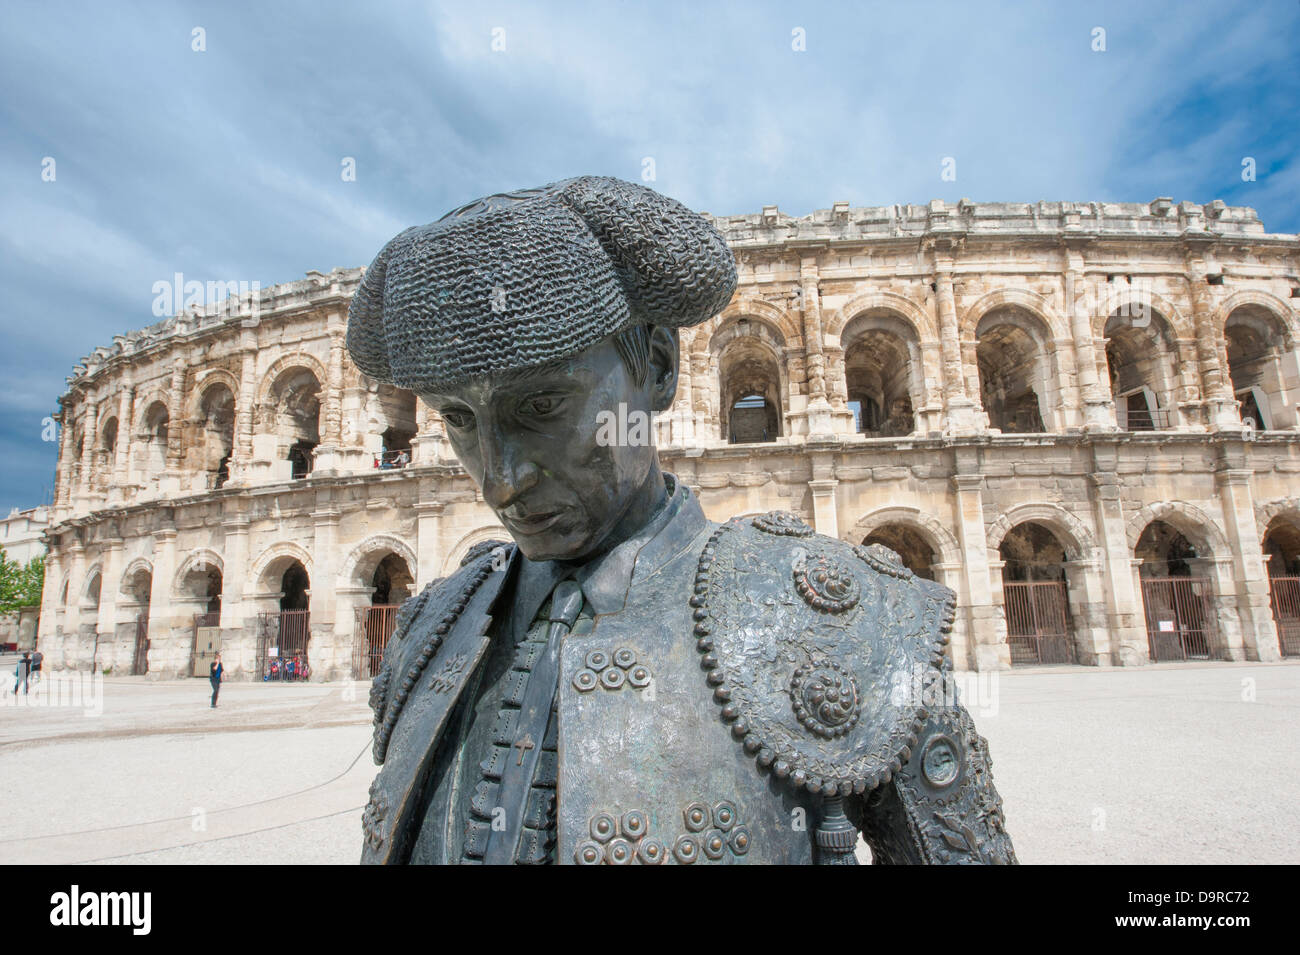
{"x": 534, "y": 523}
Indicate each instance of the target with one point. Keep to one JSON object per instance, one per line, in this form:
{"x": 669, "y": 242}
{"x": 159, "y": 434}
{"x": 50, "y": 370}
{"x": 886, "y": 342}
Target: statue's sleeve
{"x": 941, "y": 807}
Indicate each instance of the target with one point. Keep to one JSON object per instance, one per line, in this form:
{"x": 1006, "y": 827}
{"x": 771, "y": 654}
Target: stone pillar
{"x": 328, "y": 458}
{"x": 1125, "y": 618}
{"x": 125, "y": 432}
{"x": 176, "y": 416}
{"x": 825, "y": 518}
{"x": 238, "y": 618}
{"x": 90, "y": 428}
{"x": 819, "y": 408}
{"x": 1094, "y": 399}
{"x": 428, "y": 446}
{"x": 1215, "y": 382}
{"x": 66, "y": 471}
{"x": 51, "y": 596}
{"x": 986, "y": 628}
{"x": 242, "y": 459}
{"x": 428, "y": 544}
{"x": 1254, "y": 607}
{"x": 168, "y": 658}
{"x": 325, "y": 558}
{"x": 702, "y": 388}
{"x": 959, "y": 409}
{"x": 72, "y": 620}
{"x": 106, "y": 624}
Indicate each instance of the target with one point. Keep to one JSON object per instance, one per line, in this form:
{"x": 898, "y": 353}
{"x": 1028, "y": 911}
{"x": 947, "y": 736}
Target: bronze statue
{"x": 629, "y": 682}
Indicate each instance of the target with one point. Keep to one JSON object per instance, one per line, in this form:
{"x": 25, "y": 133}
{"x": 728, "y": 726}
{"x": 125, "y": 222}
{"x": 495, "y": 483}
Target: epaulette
{"x": 814, "y": 647}
{"x": 422, "y": 623}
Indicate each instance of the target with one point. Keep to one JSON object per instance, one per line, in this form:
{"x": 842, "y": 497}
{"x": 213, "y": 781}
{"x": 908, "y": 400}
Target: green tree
{"x": 20, "y": 586}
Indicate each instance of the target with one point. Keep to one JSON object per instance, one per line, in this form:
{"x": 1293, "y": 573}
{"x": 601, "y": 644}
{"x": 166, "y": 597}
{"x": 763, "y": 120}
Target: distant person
{"x": 403, "y": 459}
{"x": 38, "y": 658}
{"x": 22, "y": 672}
{"x": 214, "y": 675}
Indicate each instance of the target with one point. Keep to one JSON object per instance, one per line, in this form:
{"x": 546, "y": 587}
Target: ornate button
{"x": 585, "y": 680}
{"x": 724, "y": 815}
{"x": 697, "y": 816}
{"x": 597, "y": 660}
{"x": 686, "y": 851}
{"x": 940, "y": 762}
{"x": 825, "y": 698}
{"x": 623, "y": 657}
{"x": 589, "y": 853}
{"x": 826, "y": 584}
{"x": 639, "y": 677}
{"x": 602, "y": 827}
{"x": 620, "y": 852}
{"x": 740, "y": 840}
{"x": 715, "y": 843}
{"x": 783, "y": 524}
{"x": 612, "y": 678}
{"x": 649, "y": 852}
{"x": 634, "y": 824}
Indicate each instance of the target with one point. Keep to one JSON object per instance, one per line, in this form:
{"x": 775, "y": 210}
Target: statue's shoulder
{"x": 812, "y": 647}
{"x": 421, "y": 619}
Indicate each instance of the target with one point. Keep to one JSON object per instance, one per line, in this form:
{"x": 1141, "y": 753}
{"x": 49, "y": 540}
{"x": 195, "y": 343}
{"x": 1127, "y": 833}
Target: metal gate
{"x": 1180, "y": 618}
{"x": 1285, "y": 593}
{"x": 206, "y": 642}
{"x": 1038, "y": 622}
{"x": 140, "y": 662}
{"x": 374, "y": 626}
{"x": 282, "y": 645}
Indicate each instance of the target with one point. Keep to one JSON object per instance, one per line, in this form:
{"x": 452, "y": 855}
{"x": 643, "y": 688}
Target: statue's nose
{"x": 507, "y": 474}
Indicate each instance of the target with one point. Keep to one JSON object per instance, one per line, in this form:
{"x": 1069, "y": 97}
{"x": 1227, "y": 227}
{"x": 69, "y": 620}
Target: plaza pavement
{"x": 1191, "y": 763}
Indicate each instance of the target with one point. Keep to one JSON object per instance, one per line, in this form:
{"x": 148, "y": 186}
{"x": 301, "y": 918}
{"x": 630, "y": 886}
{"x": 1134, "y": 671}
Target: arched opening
{"x": 295, "y": 418}
{"x": 1012, "y": 360}
{"x": 912, "y": 549}
{"x": 153, "y": 440}
{"x": 286, "y": 634}
{"x": 749, "y": 377}
{"x": 1036, "y": 590}
{"x": 216, "y": 440}
{"x": 1141, "y": 357}
{"x": 138, "y": 588}
{"x": 91, "y": 598}
{"x": 878, "y": 373}
{"x": 1282, "y": 553}
{"x": 1256, "y": 346}
{"x": 108, "y": 439}
{"x": 390, "y": 584}
{"x": 397, "y": 408}
{"x": 1177, "y": 595}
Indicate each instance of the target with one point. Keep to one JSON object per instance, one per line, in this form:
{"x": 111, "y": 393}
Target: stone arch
{"x": 144, "y": 403}
{"x": 935, "y": 534}
{"x": 1267, "y": 512}
{"x": 749, "y": 358}
{"x": 462, "y": 546}
{"x": 288, "y": 363}
{"x": 1081, "y": 545}
{"x": 197, "y": 560}
{"x": 1017, "y": 368}
{"x": 360, "y": 563}
{"x": 1280, "y": 310}
{"x": 910, "y": 311}
{"x": 93, "y": 580}
{"x": 1118, "y": 300}
{"x": 274, "y": 559}
{"x": 1263, "y": 364}
{"x": 782, "y": 321}
{"x": 1188, "y": 519}
{"x": 206, "y": 381}
{"x": 140, "y": 565}
{"x": 1039, "y": 306}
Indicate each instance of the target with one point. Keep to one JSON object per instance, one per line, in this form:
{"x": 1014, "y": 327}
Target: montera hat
{"x": 526, "y": 278}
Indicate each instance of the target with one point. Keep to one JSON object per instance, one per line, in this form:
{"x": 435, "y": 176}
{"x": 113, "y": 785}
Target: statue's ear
{"x": 665, "y": 353}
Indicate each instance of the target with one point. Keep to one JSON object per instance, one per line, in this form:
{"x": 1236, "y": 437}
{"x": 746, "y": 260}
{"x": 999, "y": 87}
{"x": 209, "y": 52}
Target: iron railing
{"x": 374, "y": 627}
{"x": 1180, "y": 618}
{"x": 1147, "y": 420}
{"x": 1038, "y": 622}
{"x": 1285, "y": 597}
{"x": 140, "y": 661}
{"x": 282, "y": 645}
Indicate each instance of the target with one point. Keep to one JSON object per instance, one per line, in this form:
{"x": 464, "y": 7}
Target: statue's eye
{"x": 540, "y": 406}
{"x": 457, "y": 419}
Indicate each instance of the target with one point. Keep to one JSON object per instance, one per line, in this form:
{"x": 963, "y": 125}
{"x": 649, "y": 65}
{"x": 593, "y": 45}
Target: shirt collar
{"x": 607, "y": 580}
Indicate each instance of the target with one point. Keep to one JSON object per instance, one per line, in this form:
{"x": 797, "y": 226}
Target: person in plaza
{"x": 628, "y": 681}
{"x": 38, "y": 659}
{"x": 215, "y": 671}
{"x": 23, "y": 671}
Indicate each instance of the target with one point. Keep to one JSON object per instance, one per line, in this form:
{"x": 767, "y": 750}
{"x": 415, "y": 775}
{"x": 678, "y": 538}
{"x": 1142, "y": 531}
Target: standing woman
{"x": 215, "y": 676}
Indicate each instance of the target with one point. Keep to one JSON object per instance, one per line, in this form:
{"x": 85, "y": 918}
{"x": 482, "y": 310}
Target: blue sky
{"x": 225, "y": 164}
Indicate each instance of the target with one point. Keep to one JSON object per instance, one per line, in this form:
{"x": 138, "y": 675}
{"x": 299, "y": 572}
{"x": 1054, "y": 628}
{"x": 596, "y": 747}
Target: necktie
{"x": 530, "y": 728}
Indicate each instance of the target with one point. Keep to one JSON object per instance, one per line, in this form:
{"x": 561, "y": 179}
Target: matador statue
{"x": 626, "y": 682}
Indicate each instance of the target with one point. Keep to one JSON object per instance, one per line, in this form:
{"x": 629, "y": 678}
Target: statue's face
{"x": 538, "y": 444}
